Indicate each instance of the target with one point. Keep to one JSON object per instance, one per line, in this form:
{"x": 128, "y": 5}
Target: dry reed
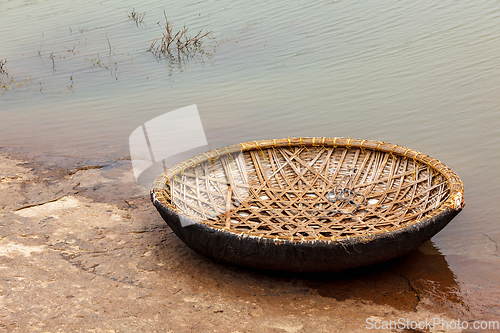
{"x": 3, "y": 70}
{"x": 176, "y": 45}
{"x": 138, "y": 18}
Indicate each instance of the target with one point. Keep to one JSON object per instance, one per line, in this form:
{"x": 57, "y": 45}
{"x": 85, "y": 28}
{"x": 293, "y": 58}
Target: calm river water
{"x": 422, "y": 74}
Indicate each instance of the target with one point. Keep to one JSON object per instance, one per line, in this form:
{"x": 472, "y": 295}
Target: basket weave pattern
{"x": 309, "y": 188}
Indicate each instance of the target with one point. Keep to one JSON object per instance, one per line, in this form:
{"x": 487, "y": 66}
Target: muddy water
{"x": 420, "y": 74}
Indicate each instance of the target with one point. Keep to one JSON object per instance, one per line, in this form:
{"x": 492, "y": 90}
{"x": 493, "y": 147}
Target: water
{"x": 420, "y": 74}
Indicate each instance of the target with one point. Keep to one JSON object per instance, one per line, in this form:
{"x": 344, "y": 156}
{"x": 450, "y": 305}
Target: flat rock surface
{"x": 82, "y": 249}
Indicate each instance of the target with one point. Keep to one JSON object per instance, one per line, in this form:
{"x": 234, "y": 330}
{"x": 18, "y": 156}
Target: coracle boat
{"x": 308, "y": 204}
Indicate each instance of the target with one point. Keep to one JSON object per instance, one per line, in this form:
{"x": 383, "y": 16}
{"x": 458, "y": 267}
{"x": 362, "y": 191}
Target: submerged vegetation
{"x": 9, "y": 82}
{"x": 137, "y": 17}
{"x": 178, "y": 45}
{"x": 3, "y": 70}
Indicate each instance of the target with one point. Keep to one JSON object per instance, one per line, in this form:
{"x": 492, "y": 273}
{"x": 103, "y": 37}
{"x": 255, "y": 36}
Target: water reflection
{"x": 420, "y": 278}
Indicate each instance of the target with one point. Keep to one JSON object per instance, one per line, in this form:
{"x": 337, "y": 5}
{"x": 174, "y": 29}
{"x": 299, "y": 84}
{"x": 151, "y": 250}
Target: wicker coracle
{"x": 308, "y": 204}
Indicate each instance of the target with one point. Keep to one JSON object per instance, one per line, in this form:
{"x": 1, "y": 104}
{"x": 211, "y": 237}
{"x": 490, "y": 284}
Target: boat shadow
{"x": 421, "y": 279}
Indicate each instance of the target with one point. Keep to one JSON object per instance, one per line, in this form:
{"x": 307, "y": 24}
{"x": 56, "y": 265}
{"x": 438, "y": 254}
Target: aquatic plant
{"x": 3, "y": 71}
{"x": 138, "y": 18}
{"x": 175, "y": 46}
{"x": 52, "y": 57}
{"x": 9, "y": 82}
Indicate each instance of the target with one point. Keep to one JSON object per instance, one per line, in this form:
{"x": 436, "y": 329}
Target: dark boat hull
{"x": 303, "y": 256}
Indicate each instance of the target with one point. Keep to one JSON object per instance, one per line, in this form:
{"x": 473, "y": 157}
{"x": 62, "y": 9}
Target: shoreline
{"x": 82, "y": 248}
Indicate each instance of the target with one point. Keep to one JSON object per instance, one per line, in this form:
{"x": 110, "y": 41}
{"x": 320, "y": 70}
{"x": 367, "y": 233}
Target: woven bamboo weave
{"x": 310, "y": 188}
